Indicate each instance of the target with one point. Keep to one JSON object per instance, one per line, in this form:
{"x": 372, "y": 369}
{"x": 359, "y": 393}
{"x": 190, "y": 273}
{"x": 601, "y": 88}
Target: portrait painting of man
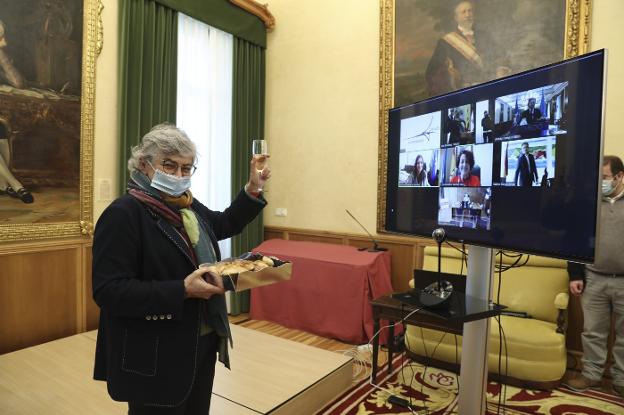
{"x": 445, "y": 45}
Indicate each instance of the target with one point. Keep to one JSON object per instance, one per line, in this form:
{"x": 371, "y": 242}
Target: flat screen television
{"x": 513, "y": 163}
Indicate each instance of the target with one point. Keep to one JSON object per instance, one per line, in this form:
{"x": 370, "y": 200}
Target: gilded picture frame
{"x": 405, "y": 47}
{"x": 56, "y": 99}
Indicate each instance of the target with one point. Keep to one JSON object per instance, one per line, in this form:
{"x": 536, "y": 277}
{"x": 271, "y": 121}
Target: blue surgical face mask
{"x": 607, "y": 187}
{"x": 169, "y": 183}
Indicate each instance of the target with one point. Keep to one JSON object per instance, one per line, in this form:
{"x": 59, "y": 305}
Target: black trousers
{"x": 198, "y": 402}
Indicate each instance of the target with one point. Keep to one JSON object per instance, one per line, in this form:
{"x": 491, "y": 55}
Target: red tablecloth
{"x": 329, "y": 291}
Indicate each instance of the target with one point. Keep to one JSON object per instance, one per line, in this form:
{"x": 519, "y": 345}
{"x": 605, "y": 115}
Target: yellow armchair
{"x": 535, "y": 346}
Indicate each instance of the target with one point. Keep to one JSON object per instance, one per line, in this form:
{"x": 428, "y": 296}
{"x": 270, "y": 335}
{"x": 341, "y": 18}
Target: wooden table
{"x": 463, "y": 309}
{"x": 330, "y": 290}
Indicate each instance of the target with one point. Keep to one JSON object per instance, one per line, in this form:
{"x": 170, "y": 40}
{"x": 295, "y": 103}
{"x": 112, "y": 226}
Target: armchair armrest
{"x": 561, "y": 302}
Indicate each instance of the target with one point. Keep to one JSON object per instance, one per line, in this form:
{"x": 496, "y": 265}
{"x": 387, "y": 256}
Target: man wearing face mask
{"x": 163, "y": 321}
{"x": 601, "y": 286}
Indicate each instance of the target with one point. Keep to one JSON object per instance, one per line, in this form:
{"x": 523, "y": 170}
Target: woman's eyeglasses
{"x": 171, "y": 167}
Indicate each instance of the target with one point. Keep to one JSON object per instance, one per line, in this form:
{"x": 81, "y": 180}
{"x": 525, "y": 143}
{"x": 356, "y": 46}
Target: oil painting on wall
{"x": 446, "y": 45}
{"x": 41, "y": 93}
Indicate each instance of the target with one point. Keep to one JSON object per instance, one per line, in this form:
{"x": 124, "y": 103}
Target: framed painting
{"x": 429, "y": 48}
{"x": 48, "y": 50}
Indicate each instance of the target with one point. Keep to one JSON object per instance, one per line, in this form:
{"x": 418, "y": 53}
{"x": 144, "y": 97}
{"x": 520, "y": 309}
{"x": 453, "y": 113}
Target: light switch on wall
{"x": 281, "y": 211}
{"x": 104, "y": 190}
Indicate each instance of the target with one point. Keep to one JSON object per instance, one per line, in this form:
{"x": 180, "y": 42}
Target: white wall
{"x": 322, "y": 113}
{"x": 607, "y": 31}
{"x": 106, "y": 112}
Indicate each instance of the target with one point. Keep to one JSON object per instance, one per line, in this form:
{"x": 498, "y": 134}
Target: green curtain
{"x": 224, "y": 16}
{"x": 247, "y": 124}
{"x": 147, "y": 73}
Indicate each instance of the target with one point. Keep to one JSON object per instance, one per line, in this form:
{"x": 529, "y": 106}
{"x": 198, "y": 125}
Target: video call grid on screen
{"x": 513, "y": 141}
{"x": 446, "y": 148}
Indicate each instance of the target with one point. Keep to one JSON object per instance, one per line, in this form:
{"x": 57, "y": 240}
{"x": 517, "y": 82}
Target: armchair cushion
{"x": 535, "y": 351}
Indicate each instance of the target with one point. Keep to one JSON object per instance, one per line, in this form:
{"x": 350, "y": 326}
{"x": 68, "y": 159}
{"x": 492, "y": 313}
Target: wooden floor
{"x": 272, "y": 375}
{"x": 299, "y": 336}
{"x": 269, "y": 375}
{"x": 54, "y": 378}
{"x": 363, "y": 358}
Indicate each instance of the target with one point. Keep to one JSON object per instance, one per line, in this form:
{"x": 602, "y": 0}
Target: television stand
{"x": 468, "y": 315}
{"x": 474, "y": 364}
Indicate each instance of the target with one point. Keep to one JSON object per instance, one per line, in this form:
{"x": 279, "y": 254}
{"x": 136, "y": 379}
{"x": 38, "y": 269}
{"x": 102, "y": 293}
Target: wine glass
{"x": 259, "y": 148}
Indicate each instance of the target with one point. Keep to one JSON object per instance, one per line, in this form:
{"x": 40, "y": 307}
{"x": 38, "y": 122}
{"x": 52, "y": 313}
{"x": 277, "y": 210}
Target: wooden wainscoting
{"x": 44, "y": 291}
{"x": 45, "y": 286}
{"x": 407, "y": 255}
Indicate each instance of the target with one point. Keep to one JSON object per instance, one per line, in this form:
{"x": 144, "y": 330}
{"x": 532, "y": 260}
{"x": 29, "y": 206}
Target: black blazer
{"x": 526, "y": 172}
{"x": 147, "y": 340}
{"x": 531, "y": 118}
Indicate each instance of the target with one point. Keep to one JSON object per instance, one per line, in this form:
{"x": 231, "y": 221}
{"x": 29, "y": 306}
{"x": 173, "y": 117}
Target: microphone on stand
{"x": 439, "y": 235}
{"x": 375, "y": 248}
{"x": 437, "y": 294}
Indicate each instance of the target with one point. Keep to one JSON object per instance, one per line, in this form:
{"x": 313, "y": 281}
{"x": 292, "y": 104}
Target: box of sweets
{"x": 250, "y": 270}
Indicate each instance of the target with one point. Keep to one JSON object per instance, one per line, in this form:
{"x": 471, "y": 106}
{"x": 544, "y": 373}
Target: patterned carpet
{"x": 434, "y": 391}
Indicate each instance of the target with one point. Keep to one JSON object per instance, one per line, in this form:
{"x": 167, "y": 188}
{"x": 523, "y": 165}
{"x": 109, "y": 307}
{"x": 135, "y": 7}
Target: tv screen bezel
{"x": 598, "y": 163}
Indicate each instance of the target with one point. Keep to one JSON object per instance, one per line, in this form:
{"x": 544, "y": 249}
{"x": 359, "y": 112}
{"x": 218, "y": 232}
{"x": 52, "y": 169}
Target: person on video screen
{"x": 545, "y": 182}
{"x": 465, "y": 204}
{"x": 465, "y": 166}
{"x": 456, "y": 125}
{"x": 418, "y": 176}
{"x": 601, "y": 287}
{"x": 531, "y": 114}
{"x": 526, "y": 171}
{"x": 487, "y": 202}
{"x": 488, "y": 125}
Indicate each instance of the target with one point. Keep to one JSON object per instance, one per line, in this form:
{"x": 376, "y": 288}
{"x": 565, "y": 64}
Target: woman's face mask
{"x": 169, "y": 183}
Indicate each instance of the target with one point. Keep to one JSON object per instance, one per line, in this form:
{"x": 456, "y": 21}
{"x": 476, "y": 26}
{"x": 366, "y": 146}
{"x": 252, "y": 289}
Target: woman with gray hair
{"x": 163, "y": 321}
